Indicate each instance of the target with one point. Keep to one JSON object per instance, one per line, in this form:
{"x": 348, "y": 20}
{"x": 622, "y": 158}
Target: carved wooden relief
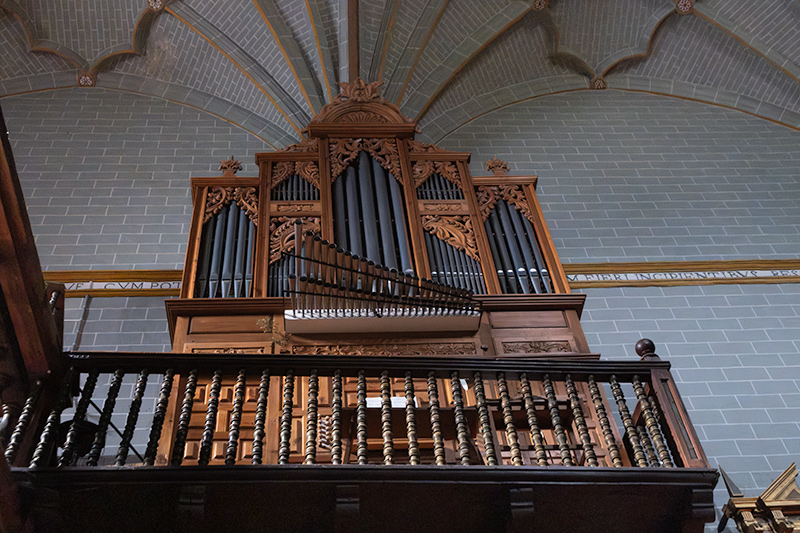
{"x": 360, "y": 103}
{"x": 230, "y": 166}
{"x": 281, "y": 234}
{"x": 306, "y": 145}
{"x": 434, "y": 206}
{"x": 536, "y": 347}
{"x": 419, "y": 146}
{"x": 245, "y": 197}
{"x": 296, "y": 207}
{"x": 455, "y": 230}
{"x": 345, "y": 151}
{"x": 388, "y": 350}
{"x": 513, "y": 194}
{"x": 282, "y": 170}
{"x": 248, "y": 349}
{"x": 422, "y": 170}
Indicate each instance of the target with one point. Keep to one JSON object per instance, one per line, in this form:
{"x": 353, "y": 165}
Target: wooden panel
{"x": 527, "y": 319}
{"x": 224, "y": 324}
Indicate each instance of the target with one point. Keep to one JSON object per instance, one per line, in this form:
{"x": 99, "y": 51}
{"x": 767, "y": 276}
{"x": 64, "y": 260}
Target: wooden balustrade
{"x": 241, "y": 409}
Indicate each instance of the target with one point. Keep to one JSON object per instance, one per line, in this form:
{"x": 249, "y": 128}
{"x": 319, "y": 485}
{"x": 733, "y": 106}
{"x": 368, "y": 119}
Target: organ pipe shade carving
{"x": 281, "y": 241}
{"x": 369, "y": 215}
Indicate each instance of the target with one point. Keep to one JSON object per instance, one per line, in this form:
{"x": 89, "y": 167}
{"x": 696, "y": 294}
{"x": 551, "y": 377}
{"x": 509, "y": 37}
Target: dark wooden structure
{"x": 368, "y": 337}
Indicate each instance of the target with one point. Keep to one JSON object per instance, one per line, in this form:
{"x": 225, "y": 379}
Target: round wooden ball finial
{"x": 646, "y": 349}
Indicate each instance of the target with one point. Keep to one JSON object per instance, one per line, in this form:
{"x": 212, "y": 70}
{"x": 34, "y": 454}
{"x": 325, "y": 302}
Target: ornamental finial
{"x": 498, "y": 166}
{"x": 359, "y": 91}
{"x": 230, "y": 166}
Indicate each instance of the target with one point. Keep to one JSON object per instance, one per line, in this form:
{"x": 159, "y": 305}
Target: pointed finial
{"x": 733, "y": 490}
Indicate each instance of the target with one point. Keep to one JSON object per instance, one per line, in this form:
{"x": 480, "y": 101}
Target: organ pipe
{"x": 225, "y": 264}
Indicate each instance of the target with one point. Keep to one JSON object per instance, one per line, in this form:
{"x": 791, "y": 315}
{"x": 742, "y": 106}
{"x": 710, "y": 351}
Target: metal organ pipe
{"x": 513, "y": 246}
{"x": 367, "y": 198}
{"x": 388, "y": 244}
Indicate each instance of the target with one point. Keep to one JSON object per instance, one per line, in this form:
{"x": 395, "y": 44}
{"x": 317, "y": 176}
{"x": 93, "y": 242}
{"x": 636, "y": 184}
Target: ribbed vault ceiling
{"x": 270, "y": 65}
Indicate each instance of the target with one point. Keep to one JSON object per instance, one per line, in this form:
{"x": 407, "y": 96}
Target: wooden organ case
{"x": 364, "y": 186}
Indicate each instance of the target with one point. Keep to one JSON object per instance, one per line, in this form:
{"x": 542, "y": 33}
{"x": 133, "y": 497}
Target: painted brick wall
{"x": 106, "y": 174}
{"x": 636, "y": 177}
{"x": 735, "y": 353}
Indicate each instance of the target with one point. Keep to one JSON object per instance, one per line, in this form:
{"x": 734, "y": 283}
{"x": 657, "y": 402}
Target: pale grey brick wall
{"x": 106, "y": 174}
{"x": 735, "y": 353}
{"x": 636, "y": 177}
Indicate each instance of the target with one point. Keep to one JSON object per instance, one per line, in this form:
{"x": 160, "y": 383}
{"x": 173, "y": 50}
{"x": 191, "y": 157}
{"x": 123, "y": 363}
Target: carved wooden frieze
{"x": 296, "y": 207}
{"x": 513, "y": 194}
{"x": 440, "y": 206}
{"x": 388, "y": 349}
{"x": 422, "y": 170}
{"x": 360, "y": 102}
{"x": 455, "y": 230}
{"x": 536, "y": 347}
{"x": 345, "y": 151}
{"x": 281, "y": 170}
{"x": 245, "y": 197}
{"x": 281, "y": 234}
{"x": 248, "y": 349}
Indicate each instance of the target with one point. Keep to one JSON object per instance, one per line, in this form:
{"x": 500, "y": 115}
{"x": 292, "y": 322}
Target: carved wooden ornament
{"x": 513, "y": 194}
{"x": 245, "y": 197}
{"x": 281, "y": 170}
{"x": 230, "y": 166}
{"x": 419, "y": 146}
{"x": 536, "y": 347}
{"x": 455, "y": 230}
{"x": 388, "y": 349}
{"x": 345, "y": 151}
{"x": 306, "y": 145}
{"x": 422, "y": 170}
{"x": 360, "y": 102}
{"x": 281, "y": 234}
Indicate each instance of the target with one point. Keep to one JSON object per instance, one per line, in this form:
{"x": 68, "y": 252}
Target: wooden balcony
{"x": 362, "y": 443}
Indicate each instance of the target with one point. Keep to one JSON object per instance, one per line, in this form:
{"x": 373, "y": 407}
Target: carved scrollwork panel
{"x": 513, "y": 194}
{"x": 487, "y": 199}
{"x": 247, "y": 199}
{"x": 281, "y": 170}
{"x": 422, "y": 170}
{"x": 536, "y": 347}
{"x": 309, "y": 171}
{"x": 306, "y": 145}
{"x": 435, "y": 206}
{"x": 296, "y": 207}
{"x": 216, "y": 199}
{"x": 281, "y": 234}
{"x": 419, "y": 146}
{"x": 384, "y": 151}
{"x": 455, "y": 230}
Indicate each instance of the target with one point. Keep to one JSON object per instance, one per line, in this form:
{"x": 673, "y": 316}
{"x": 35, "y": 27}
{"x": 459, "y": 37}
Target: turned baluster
{"x": 580, "y": 422}
{"x": 508, "y": 420}
{"x": 533, "y": 421}
{"x": 483, "y": 418}
{"x": 436, "y": 427}
{"x": 260, "y": 419}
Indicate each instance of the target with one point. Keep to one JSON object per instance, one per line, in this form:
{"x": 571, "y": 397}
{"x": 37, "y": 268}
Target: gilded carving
{"x": 536, "y": 347}
{"x": 422, "y": 170}
{"x": 218, "y": 197}
{"x": 455, "y": 230}
{"x": 281, "y": 234}
{"x": 384, "y": 151}
{"x": 388, "y": 349}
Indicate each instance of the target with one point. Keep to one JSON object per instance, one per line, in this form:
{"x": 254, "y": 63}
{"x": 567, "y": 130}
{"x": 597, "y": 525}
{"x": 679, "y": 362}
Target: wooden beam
{"x": 353, "y": 41}
{"x": 21, "y": 273}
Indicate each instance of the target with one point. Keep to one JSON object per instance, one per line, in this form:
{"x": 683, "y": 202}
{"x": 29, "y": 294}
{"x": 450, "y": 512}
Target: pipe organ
{"x": 361, "y": 240}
